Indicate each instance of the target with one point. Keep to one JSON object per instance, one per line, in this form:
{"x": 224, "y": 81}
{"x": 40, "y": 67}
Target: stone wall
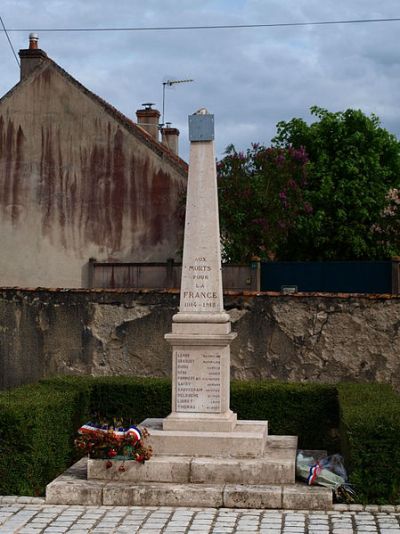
{"x": 321, "y": 338}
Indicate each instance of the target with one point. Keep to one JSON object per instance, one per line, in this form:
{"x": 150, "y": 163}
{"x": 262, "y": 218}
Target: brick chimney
{"x": 149, "y": 118}
{"x": 31, "y": 57}
{"x": 170, "y": 138}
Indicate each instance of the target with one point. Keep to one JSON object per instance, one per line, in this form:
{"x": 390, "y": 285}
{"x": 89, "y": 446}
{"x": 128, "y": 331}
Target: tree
{"x": 260, "y": 195}
{"x": 354, "y": 165}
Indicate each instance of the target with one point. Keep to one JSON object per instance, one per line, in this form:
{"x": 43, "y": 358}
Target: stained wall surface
{"x": 322, "y": 338}
{"x": 76, "y": 182}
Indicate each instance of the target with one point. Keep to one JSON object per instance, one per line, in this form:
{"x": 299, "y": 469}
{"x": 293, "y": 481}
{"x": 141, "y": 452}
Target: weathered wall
{"x": 314, "y": 338}
{"x": 76, "y": 183}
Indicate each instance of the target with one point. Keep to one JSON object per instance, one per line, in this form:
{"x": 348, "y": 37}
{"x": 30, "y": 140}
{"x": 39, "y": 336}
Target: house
{"x": 80, "y": 180}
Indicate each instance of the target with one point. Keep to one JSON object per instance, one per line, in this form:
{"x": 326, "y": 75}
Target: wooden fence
{"x": 110, "y": 275}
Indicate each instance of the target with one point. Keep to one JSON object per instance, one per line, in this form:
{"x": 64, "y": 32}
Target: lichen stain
{"x": 47, "y": 187}
{"x": 45, "y": 77}
{"x": 11, "y": 158}
{"x": 161, "y": 214}
{"x": 16, "y": 183}
{"x": 139, "y": 208}
{"x": 103, "y": 191}
{"x": 1, "y": 136}
{"x": 118, "y": 191}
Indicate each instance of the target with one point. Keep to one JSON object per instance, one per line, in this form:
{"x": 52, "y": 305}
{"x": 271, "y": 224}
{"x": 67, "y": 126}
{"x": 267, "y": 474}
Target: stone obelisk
{"x": 201, "y": 330}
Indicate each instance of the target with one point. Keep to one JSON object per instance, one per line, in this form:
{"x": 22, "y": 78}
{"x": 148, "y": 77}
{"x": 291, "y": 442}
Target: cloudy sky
{"x": 249, "y": 78}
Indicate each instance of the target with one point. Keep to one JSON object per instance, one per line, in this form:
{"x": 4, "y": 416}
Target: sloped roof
{"x": 160, "y": 149}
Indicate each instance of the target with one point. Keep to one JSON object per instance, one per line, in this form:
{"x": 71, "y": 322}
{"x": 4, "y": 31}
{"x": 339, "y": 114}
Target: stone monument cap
{"x": 201, "y": 126}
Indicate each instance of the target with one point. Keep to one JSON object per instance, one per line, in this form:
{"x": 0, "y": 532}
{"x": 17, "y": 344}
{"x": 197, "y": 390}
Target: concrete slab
{"x": 120, "y": 494}
{"x": 302, "y": 497}
{"x": 260, "y": 496}
{"x": 246, "y": 471}
{"x": 73, "y": 488}
{"x": 248, "y": 439}
{"x": 159, "y": 469}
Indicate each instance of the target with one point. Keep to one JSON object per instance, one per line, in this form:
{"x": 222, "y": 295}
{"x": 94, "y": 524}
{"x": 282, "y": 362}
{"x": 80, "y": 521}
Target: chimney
{"x": 31, "y": 57}
{"x": 149, "y": 119}
{"x": 170, "y": 138}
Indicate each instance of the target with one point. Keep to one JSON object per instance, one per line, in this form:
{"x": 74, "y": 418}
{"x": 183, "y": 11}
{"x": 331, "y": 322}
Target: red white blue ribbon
{"x": 315, "y": 470}
{"x": 119, "y": 433}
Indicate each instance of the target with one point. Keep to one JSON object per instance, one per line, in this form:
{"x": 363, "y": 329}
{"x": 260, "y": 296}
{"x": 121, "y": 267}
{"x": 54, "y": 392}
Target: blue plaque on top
{"x": 201, "y": 126}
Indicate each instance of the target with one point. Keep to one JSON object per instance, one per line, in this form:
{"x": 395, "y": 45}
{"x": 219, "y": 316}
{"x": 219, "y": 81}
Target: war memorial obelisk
{"x": 201, "y": 330}
{"x": 201, "y": 422}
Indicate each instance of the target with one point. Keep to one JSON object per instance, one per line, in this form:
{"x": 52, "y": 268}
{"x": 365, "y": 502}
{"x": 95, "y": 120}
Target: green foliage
{"x": 309, "y": 411}
{"x": 260, "y": 194}
{"x": 37, "y": 428}
{"x": 370, "y": 430}
{"x": 131, "y": 399}
{"x": 354, "y": 163}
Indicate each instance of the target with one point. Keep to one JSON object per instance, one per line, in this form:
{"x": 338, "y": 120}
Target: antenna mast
{"x": 170, "y": 83}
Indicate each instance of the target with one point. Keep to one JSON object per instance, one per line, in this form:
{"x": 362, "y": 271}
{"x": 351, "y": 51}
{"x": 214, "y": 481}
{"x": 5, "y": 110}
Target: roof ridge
{"x": 129, "y": 124}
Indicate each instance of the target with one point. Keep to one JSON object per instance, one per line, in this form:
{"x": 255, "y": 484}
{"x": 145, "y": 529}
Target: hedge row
{"x": 370, "y": 430}
{"x": 309, "y": 411}
{"x": 38, "y": 424}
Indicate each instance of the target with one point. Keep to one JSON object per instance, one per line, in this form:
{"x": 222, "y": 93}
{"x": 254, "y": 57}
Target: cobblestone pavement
{"x": 35, "y": 516}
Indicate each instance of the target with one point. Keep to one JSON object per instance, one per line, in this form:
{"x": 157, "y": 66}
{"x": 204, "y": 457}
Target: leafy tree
{"x": 260, "y": 195}
{"x": 354, "y": 166}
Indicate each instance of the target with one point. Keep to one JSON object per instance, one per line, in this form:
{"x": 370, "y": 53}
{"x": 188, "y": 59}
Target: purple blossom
{"x": 280, "y": 160}
{"x": 307, "y": 207}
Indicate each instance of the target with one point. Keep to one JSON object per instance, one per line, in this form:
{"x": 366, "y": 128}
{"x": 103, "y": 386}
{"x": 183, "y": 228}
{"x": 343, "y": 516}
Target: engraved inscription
{"x": 201, "y": 297}
{"x": 198, "y": 382}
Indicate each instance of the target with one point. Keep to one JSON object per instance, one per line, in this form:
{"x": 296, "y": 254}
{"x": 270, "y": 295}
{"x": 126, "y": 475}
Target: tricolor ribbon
{"x": 315, "y": 470}
{"x": 119, "y": 433}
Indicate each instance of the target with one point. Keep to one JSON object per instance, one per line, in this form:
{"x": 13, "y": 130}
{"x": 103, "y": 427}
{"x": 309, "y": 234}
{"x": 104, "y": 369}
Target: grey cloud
{"x": 250, "y": 79}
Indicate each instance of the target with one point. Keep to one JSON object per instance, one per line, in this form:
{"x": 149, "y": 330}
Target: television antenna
{"x": 169, "y": 83}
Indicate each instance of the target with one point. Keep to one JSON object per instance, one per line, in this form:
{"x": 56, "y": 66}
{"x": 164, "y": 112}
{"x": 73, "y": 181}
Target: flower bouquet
{"x": 104, "y": 441}
{"x": 328, "y": 471}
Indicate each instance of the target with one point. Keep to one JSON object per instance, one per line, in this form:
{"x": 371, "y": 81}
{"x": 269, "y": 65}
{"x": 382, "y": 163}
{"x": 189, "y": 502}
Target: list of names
{"x": 198, "y": 381}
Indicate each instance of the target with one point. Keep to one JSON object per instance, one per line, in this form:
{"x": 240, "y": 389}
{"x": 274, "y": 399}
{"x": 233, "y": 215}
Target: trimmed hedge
{"x": 38, "y": 424}
{"x": 309, "y": 411}
{"x": 370, "y": 430}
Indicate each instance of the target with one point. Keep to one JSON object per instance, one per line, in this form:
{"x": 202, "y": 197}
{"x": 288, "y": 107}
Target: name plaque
{"x": 198, "y": 381}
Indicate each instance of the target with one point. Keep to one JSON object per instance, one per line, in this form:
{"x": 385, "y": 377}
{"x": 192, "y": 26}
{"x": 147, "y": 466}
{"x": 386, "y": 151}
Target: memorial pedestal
{"x": 200, "y": 370}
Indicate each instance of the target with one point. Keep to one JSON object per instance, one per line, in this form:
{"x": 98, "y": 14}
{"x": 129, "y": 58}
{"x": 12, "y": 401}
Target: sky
{"x": 248, "y": 78}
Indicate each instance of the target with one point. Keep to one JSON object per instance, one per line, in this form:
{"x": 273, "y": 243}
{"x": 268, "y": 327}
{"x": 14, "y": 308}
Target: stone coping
{"x": 383, "y": 508}
{"x": 227, "y": 293}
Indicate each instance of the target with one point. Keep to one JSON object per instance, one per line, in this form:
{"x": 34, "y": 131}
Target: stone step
{"x": 248, "y": 439}
{"x": 73, "y": 488}
{"x": 281, "y": 442}
{"x": 186, "y": 469}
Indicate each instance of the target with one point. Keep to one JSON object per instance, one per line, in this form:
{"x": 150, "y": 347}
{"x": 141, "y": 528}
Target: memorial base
{"x": 247, "y": 440}
{"x": 196, "y": 422}
{"x": 267, "y": 481}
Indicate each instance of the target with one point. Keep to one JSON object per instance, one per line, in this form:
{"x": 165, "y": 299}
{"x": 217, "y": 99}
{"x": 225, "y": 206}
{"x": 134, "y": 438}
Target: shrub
{"x": 37, "y": 427}
{"x": 370, "y": 431}
{"x": 132, "y": 399}
{"x": 309, "y": 411}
